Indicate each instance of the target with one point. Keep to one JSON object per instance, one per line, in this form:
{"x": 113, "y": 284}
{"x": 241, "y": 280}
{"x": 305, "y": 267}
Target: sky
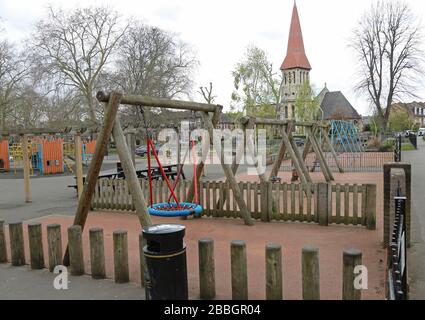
{"x": 219, "y": 32}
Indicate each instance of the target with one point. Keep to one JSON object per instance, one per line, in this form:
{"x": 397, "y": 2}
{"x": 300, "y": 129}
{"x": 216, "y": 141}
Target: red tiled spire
{"x": 295, "y": 55}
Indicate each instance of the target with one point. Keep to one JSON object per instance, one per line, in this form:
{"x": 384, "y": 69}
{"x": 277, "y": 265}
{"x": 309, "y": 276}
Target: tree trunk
{"x": 382, "y": 127}
{"x": 2, "y": 120}
{"x": 90, "y": 105}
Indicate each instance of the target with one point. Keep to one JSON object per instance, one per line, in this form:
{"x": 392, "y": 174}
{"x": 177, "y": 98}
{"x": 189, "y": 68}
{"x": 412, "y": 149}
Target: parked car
{"x": 143, "y": 150}
{"x": 299, "y": 141}
{"x": 421, "y": 132}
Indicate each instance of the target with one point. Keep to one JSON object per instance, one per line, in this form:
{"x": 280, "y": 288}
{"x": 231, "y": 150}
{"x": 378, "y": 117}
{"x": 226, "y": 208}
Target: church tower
{"x": 295, "y": 68}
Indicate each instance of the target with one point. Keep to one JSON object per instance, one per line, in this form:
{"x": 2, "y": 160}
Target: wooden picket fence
{"x": 339, "y": 204}
{"x": 207, "y": 288}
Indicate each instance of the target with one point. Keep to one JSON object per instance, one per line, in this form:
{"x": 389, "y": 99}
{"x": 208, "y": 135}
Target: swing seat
{"x": 172, "y": 210}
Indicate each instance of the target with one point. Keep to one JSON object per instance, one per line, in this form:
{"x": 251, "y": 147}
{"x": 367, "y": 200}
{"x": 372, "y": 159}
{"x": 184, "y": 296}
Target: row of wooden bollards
{"x": 274, "y": 288}
{"x": 54, "y": 241}
{"x": 239, "y": 272}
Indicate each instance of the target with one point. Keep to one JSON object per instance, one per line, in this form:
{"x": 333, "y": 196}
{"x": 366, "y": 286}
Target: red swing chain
{"x": 164, "y": 176}
{"x": 195, "y": 178}
{"x": 194, "y": 172}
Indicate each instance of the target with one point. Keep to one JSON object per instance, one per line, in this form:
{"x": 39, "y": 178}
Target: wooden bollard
{"x": 121, "y": 256}
{"x": 3, "y": 252}
{"x": 274, "y": 290}
{"x": 75, "y": 244}
{"x": 97, "y": 253}
{"x": 310, "y": 273}
{"x": 323, "y": 203}
{"x": 54, "y": 245}
{"x": 206, "y": 269}
{"x": 17, "y": 250}
{"x": 142, "y": 244}
{"x": 36, "y": 246}
{"x": 239, "y": 270}
{"x": 351, "y": 259}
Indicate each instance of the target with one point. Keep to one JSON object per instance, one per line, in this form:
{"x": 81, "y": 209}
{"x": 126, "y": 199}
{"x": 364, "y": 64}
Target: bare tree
{"x": 153, "y": 62}
{"x": 12, "y": 72}
{"x": 387, "y": 44}
{"x": 207, "y": 93}
{"x": 76, "y": 46}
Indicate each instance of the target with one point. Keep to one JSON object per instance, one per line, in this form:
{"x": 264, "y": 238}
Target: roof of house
{"x": 336, "y": 106}
{"x": 295, "y": 55}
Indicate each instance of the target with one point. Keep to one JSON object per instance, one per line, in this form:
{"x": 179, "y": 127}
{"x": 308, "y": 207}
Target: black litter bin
{"x": 165, "y": 262}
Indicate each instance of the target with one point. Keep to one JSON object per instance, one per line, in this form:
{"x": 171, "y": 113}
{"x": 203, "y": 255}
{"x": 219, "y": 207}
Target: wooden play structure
{"x": 41, "y": 149}
{"x": 111, "y": 126}
{"x": 288, "y": 146}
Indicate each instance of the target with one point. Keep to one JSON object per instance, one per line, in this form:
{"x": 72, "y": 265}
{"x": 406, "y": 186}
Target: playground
{"x": 317, "y": 205}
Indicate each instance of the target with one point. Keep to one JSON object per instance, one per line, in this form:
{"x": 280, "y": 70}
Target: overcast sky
{"x": 220, "y": 30}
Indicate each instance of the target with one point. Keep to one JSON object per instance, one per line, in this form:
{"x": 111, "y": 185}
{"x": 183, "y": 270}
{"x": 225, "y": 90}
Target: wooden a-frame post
{"x": 325, "y": 135}
{"x": 281, "y": 155}
{"x": 317, "y": 150}
{"x": 230, "y": 177}
{"x": 96, "y": 163}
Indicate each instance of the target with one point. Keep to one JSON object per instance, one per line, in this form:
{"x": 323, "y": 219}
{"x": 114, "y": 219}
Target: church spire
{"x": 295, "y": 55}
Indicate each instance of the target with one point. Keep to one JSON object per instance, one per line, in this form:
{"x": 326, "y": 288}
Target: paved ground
{"x": 53, "y": 202}
{"x": 22, "y": 283}
{"x": 331, "y": 242}
{"x": 416, "y": 257}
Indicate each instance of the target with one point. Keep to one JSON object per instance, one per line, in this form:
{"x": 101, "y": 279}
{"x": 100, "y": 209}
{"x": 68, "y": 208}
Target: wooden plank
{"x": 346, "y": 203}
{"x": 309, "y": 203}
{"x": 301, "y": 202}
{"x": 214, "y": 190}
{"x": 285, "y": 201}
{"x": 338, "y": 203}
{"x": 249, "y": 197}
{"x": 256, "y": 204}
{"x": 293, "y": 208}
{"x": 207, "y": 199}
{"x": 139, "y": 100}
{"x": 371, "y": 206}
{"x": 355, "y": 204}
{"x": 277, "y": 205}
{"x": 242, "y": 186}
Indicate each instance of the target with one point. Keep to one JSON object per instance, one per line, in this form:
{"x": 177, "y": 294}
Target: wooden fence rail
{"x": 274, "y": 277}
{"x": 346, "y": 204}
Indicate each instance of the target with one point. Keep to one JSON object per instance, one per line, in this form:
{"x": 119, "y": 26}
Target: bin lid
{"x": 164, "y": 238}
{"x": 163, "y": 229}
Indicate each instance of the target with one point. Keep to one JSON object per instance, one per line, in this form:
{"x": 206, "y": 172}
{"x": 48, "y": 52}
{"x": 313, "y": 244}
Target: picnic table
{"x": 169, "y": 170}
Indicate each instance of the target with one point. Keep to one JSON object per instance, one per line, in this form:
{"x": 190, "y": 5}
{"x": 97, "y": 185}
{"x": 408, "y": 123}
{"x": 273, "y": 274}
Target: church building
{"x": 296, "y": 71}
{"x": 295, "y": 68}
